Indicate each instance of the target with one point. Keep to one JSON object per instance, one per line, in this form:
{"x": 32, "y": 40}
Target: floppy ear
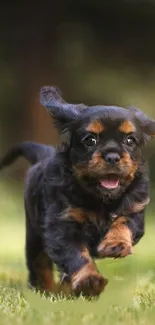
{"x": 147, "y": 124}
{"x": 62, "y": 112}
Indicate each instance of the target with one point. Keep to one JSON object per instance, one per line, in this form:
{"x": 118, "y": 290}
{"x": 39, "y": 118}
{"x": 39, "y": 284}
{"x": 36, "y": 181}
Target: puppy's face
{"x": 105, "y": 142}
{"x": 106, "y": 150}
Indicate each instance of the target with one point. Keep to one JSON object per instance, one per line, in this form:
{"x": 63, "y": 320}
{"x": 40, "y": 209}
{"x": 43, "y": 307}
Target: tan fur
{"x": 44, "y": 273}
{"x": 97, "y": 161}
{"x": 96, "y": 164}
{"x": 95, "y": 127}
{"x": 119, "y": 234}
{"x": 74, "y": 213}
{"x": 128, "y": 163}
{"x": 139, "y": 206}
{"x": 81, "y": 216}
{"x": 127, "y": 127}
{"x": 88, "y": 280}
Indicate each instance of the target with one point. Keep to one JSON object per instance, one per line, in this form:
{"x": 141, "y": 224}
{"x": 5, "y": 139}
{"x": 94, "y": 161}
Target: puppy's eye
{"x": 89, "y": 141}
{"x": 130, "y": 140}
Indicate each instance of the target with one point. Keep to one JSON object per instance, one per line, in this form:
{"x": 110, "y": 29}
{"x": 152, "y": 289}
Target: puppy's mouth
{"x": 110, "y": 182}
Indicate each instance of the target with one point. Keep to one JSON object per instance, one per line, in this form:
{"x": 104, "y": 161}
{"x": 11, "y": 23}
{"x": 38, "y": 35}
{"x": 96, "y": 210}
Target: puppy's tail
{"x": 33, "y": 152}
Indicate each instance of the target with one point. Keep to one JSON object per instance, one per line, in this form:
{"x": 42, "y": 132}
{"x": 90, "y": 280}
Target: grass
{"x": 129, "y": 298}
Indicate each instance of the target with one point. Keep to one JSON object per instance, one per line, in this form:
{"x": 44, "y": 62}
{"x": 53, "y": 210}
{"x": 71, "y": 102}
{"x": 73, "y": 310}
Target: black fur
{"x": 61, "y": 179}
{"x": 33, "y": 152}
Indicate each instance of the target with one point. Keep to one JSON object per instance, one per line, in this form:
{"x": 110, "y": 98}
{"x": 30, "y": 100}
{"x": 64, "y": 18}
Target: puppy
{"x": 86, "y": 199}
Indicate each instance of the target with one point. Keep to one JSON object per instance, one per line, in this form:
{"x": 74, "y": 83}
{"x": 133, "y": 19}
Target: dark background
{"x": 95, "y": 51}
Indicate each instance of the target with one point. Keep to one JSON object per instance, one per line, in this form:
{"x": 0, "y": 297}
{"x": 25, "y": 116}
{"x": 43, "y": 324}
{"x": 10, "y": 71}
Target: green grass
{"x": 129, "y": 297}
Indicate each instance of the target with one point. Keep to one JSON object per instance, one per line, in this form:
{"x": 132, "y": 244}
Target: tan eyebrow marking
{"x": 96, "y": 127}
{"x": 127, "y": 127}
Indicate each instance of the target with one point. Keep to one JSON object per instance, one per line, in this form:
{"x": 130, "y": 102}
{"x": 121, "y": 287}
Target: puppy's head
{"x": 105, "y": 142}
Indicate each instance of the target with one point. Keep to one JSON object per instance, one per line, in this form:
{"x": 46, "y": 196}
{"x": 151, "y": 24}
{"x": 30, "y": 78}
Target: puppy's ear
{"x": 147, "y": 124}
{"x": 62, "y": 112}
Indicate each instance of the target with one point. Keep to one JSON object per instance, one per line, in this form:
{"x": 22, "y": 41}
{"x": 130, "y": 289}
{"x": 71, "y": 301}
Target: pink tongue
{"x": 109, "y": 183}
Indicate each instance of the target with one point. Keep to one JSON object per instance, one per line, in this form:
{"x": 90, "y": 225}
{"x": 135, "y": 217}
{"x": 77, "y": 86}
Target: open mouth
{"x": 110, "y": 182}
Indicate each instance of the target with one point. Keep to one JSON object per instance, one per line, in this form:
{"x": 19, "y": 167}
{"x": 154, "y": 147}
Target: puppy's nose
{"x": 112, "y": 158}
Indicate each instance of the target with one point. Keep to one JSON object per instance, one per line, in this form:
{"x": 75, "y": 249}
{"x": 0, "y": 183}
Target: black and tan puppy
{"x": 86, "y": 199}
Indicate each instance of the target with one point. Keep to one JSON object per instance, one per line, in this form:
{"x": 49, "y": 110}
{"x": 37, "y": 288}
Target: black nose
{"x": 112, "y": 158}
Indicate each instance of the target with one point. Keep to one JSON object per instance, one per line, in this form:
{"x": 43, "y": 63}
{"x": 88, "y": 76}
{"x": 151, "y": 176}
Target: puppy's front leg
{"x": 123, "y": 234}
{"x": 86, "y": 279}
{"x": 118, "y": 240}
{"x": 65, "y": 246}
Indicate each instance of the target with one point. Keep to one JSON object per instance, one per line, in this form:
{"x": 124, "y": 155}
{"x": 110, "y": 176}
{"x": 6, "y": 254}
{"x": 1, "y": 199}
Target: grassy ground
{"x": 129, "y": 297}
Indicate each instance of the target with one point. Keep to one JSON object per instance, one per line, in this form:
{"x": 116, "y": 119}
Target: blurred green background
{"x": 96, "y": 52}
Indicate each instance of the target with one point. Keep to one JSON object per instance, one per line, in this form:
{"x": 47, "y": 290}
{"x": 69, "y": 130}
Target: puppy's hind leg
{"x": 39, "y": 265}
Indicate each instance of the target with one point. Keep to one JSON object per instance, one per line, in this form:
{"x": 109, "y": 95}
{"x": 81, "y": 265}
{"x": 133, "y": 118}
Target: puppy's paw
{"x": 114, "y": 248}
{"x": 118, "y": 240}
{"x": 88, "y": 282}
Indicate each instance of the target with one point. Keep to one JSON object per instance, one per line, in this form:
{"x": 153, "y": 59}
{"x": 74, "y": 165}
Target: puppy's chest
{"x": 94, "y": 228}
{"x": 93, "y": 225}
